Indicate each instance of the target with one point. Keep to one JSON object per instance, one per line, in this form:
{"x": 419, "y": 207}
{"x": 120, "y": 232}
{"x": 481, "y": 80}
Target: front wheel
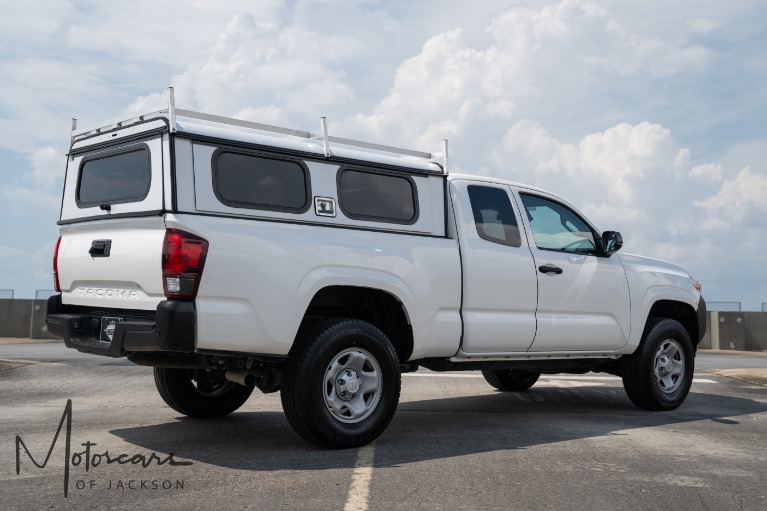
{"x": 199, "y": 393}
{"x": 659, "y": 374}
{"x": 514, "y": 380}
{"x": 341, "y": 386}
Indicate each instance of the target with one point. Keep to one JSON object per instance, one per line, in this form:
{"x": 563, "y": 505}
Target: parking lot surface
{"x": 571, "y": 442}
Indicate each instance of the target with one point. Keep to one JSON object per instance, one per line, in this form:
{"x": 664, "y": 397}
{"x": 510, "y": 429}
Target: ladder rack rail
{"x": 172, "y": 113}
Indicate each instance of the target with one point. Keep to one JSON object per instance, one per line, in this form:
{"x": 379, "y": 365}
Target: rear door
{"x": 112, "y": 227}
{"x": 499, "y": 279}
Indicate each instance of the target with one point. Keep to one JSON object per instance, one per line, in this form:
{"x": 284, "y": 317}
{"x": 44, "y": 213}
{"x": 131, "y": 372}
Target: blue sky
{"x": 651, "y": 117}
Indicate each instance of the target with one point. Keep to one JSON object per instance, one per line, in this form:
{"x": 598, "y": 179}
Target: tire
{"x": 659, "y": 374}
{"x": 515, "y": 380}
{"x": 199, "y": 393}
{"x": 341, "y": 386}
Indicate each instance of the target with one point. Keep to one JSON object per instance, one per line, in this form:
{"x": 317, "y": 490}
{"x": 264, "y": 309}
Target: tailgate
{"x": 112, "y": 263}
{"x": 112, "y": 223}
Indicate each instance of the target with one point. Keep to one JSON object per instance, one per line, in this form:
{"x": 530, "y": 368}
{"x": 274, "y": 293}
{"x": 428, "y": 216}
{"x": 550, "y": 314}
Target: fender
{"x": 651, "y": 281}
{"x": 435, "y": 321}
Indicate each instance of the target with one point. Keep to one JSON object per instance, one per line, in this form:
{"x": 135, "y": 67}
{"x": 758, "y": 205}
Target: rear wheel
{"x": 199, "y": 393}
{"x": 515, "y": 380}
{"x": 659, "y": 374}
{"x": 341, "y": 387}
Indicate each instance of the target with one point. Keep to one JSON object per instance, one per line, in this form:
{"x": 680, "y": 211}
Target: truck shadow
{"x": 432, "y": 429}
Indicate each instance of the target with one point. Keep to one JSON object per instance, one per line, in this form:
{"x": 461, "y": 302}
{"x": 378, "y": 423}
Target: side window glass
{"x": 377, "y": 197}
{"x": 251, "y": 181}
{"x": 556, "y": 227}
{"x": 493, "y": 215}
{"x": 115, "y": 178}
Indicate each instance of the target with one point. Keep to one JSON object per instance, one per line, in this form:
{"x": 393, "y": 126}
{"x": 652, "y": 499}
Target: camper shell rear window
{"x": 115, "y": 177}
{"x": 255, "y": 181}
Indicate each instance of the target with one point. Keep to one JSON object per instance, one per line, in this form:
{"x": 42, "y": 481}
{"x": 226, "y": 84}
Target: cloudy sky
{"x": 651, "y": 117}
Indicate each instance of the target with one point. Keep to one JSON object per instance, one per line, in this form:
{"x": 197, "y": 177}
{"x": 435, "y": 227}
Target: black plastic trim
{"x": 445, "y": 198}
{"x": 702, "y": 317}
{"x": 171, "y": 330}
{"x": 172, "y": 169}
{"x": 259, "y": 357}
{"x": 136, "y": 214}
{"x": 144, "y": 135}
{"x": 551, "y": 366}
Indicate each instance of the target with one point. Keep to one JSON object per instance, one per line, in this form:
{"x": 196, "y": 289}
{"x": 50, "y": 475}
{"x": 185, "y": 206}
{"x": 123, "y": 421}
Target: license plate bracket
{"x": 108, "y": 326}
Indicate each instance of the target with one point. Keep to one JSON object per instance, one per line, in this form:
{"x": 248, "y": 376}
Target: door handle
{"x": 100, "y": 248}
{"x": 550, "y": 268}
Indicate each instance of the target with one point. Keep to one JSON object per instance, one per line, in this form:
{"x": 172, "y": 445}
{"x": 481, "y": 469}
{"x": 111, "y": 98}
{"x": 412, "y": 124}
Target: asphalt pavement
{"x": 570, "y": 442}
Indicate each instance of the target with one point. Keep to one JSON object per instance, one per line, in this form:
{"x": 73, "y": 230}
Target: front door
{"x": 583, "y": 297}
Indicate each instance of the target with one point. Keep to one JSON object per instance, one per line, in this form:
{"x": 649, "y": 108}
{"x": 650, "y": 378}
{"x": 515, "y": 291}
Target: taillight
{"x": 56, "y": 284}
{"x": 183, "y": 258}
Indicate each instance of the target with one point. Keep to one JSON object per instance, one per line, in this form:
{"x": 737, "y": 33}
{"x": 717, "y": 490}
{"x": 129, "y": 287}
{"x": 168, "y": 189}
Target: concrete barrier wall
{"x": 743, "y": 331}
{"x": 23, "y": 318}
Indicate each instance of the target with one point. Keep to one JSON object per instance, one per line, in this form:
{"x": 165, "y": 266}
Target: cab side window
{"x": 493, "y": 215}
{"x": 556, "y": 227}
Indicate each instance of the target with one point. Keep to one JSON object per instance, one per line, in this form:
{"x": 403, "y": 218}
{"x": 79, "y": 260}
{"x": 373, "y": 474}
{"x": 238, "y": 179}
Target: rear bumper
{"x": 172, "y": 329}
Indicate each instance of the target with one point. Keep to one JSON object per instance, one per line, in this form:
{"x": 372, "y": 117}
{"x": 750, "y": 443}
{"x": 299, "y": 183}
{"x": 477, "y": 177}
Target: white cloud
{"x": 266, "y": 115}
{"x": 708, "y": 171}
{"x": 48, "y": 166}
{"x": 11, "y": 252}
{"x": 21, "y": 200}
{"x": 635, "y": 112}
{"x": 612, "y": 175}
{"x": 704, "y": 25}
{"x": 27, "y": 270}
{"x": 543, "y": 63}
{"x": 304, "y": 68}
{"x": 747, "y": 190}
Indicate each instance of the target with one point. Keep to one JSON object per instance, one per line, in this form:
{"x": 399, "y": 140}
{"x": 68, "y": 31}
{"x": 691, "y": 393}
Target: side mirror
{"x": 612, "y": 241}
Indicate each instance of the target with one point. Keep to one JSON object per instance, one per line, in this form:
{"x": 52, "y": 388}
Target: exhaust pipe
{"x": 246, "y": 378}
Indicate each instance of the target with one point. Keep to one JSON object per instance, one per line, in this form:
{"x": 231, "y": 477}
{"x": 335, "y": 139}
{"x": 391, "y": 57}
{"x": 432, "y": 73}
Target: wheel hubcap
{"x": 669, "y": 366}
{"x": 353, "y": 384}
{"x": 347, "y": 384}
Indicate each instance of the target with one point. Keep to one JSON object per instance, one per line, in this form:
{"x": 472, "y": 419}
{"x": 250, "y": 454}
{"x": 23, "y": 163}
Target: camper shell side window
{"x": 377, "y": 196}
{"x": 256, "y": 181}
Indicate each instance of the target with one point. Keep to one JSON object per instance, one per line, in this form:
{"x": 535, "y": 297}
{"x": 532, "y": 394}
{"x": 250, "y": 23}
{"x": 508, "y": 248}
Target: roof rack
{"x": 171, "y": 113}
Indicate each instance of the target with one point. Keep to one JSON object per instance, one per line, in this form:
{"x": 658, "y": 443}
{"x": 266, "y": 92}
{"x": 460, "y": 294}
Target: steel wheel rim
{"x": 669, "y": 366}
{"x": 352, "y": 385}
{"x": 207, "y": 386}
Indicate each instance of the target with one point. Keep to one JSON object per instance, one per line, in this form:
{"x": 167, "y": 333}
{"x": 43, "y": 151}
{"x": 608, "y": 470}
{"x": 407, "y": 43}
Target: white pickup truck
{"x": 230, "y": 255}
